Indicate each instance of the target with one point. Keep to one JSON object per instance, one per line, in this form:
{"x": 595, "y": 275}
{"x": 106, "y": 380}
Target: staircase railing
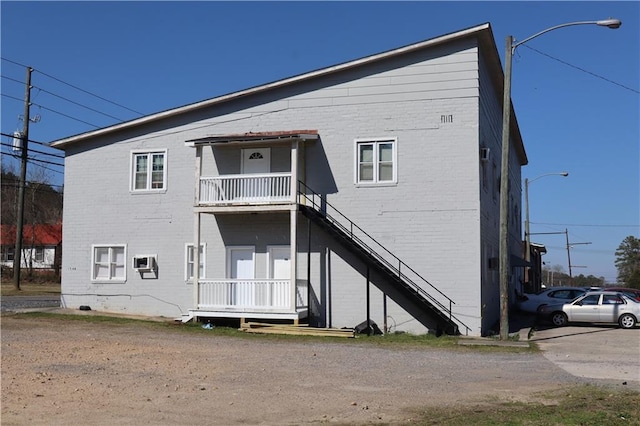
{"x": 389, "y": 260}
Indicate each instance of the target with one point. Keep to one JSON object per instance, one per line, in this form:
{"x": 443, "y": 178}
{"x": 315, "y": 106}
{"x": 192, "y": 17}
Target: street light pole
{"x": 504, "y": 170}
{"x": 527, "y": 234}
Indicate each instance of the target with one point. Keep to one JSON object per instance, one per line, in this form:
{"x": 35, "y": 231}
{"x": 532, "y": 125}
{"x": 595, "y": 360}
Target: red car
{"x": 631, "y": 292}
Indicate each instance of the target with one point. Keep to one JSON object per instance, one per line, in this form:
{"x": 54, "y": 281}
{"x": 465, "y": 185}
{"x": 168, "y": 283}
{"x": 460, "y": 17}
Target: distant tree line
{"x": 43, "y": 202}
{"x": 555, "y": 276}
{"x": 628, "y": 262}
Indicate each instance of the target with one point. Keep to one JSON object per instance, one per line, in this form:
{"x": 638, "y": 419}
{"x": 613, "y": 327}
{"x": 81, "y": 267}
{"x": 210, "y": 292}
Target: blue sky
{"x": 576, "y": 95}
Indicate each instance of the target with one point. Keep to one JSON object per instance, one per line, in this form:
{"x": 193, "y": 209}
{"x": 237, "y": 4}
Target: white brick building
{"x": 364, "y": 190}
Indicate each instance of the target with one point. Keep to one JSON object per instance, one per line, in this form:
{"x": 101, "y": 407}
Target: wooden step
{"x": 297, "y": 330}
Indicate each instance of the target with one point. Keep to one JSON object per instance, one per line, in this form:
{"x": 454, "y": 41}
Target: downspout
{"x": 308, "y": 271}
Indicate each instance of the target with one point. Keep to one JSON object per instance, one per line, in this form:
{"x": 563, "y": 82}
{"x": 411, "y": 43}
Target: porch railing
{"x": 253, "y": 188}
{"x": 250, "y": 295}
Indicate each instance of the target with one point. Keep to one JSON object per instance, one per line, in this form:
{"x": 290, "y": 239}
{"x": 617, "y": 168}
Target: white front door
{"x": 280, "y": 274}
{"x": 241, "y": 267}
{"x": 280, "y": 263}
{"x": 256, "y": 160}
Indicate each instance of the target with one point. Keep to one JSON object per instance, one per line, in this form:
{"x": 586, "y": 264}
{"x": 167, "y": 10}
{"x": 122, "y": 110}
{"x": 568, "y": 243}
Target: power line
{"x": 32, "y": 141}
{"x": 586, "y": 225}
{"x": 34, "y": 150}
{"x": 37, "y": 160}
{"x": 65, "y": 115}
{"x": 582, "y": 69}
{"x": 89, "y": 93}
{"x": 77, "y": 103}
{"x": 14, "y": 62}
{"x": 53, "y": 110}
{"x": 13, "y": 79}
{"x": 12, "y": 97}
{"x": 32, "y": 182}
{"x": 75, "y": 87}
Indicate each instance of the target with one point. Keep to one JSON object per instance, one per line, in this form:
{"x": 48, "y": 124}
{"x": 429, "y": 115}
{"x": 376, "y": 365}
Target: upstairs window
{"x": 148, "y": 171}
{"x": 376, "y": 161}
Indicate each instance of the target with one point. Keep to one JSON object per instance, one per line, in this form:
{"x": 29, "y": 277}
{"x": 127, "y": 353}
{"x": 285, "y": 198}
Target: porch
{"x": 263, "y": 188}
{"x": 251, "y": 298}
{"x": 244, "y": 174}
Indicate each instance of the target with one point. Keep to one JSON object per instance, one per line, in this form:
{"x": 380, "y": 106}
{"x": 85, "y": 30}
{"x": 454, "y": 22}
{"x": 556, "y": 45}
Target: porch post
{"x": 294, "y": 223}
{"x": 196, "y": 232}
{"x": 294, "y": 170}
{"x": 196, "y": 261}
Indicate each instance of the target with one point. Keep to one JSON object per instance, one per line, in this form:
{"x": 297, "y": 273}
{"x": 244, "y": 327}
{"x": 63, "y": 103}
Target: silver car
{"x": 532, "y": 303}
{"x": 597, "y": 307}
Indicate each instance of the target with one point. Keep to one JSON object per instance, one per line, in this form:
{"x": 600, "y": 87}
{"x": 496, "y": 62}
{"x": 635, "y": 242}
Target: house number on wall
{"x": 446, "y": 118}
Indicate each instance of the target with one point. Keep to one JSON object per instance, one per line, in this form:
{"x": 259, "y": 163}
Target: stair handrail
{"x": 372, "y": 252}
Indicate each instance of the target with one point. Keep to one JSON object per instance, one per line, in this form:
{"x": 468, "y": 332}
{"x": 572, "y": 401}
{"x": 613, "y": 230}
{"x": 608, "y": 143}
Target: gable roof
{"x": 40, "y": 234}
{"x": 482, "y": 33}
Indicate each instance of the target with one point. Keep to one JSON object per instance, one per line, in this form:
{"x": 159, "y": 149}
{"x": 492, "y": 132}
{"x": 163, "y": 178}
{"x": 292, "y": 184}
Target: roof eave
{"x": 62, "y": 143}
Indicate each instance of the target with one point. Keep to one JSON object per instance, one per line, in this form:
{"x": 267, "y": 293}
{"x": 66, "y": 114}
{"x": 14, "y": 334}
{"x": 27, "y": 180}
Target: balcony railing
{"x": 245, "y": 189}
{"x": 250, "y": 295}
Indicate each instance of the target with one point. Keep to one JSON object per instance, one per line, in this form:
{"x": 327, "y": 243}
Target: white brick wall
{"x": 432, "y": 219}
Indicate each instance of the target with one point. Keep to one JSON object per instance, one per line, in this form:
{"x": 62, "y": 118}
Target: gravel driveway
{"x": 57, "y": 371}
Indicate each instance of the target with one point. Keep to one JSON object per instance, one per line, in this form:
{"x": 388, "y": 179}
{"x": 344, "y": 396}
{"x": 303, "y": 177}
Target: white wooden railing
{"x": 250, "y": 295}
{"x": 254, "y": 188}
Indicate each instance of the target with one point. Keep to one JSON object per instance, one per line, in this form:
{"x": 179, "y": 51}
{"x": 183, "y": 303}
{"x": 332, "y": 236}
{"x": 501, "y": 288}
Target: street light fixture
{"x": 527, "y": 235}
{"x": 504, "y": 171}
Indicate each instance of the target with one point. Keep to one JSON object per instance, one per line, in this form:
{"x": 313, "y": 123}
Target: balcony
{"x": 250, "y": 297}
{"x": 269, "y": 188}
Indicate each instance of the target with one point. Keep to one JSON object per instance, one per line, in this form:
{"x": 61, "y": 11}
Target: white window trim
{"x": 375, "y": 141}
{"x": 93, "y": 263}
{"x": 203, "y": 260}
{"x": 132, "y": 173}
{"x": 39, "y": 254}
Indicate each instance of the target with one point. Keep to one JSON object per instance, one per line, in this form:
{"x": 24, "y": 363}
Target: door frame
{"x": 265, "y": 151}
{"x": 271, "y": 249}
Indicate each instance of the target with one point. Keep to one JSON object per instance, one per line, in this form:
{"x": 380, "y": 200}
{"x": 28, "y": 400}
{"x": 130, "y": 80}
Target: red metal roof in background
{"x": 40, "y": 235}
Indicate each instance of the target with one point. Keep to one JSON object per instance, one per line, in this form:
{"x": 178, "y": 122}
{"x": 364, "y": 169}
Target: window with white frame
{"x": 39, "y": 254}
{"x": 376, "y": 161}
{"x": 109, "y": 263}
{"x": 148, "y": 171}
{"x": 7, "y": 253}
{"x": 190, "y": 262}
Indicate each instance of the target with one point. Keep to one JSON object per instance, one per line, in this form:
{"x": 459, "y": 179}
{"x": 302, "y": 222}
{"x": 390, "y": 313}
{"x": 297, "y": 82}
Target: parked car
{"x": 597, "y": 307}
{"x": 550, "y": 296}
{"x": 634, "y": 293}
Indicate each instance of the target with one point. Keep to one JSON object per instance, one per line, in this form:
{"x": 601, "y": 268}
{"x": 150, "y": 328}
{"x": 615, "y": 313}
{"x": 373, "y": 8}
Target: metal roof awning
{"x": 261, "y": 137}
{"x": 540, "y": 248}
{"x": 517, "y": 261}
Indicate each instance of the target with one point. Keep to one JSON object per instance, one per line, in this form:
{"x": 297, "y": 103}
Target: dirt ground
{"x": 57, "y": 371}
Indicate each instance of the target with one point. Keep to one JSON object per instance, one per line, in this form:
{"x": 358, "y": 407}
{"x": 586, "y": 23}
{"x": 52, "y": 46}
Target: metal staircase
{"x": 401, "y": 283}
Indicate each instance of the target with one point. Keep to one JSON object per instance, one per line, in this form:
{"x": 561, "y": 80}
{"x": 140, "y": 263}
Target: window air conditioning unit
{"x": 144, "y": 263}
{"x": 484, "y": 154}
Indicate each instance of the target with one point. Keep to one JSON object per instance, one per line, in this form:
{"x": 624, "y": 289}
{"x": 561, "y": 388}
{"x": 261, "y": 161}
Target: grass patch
{"x": 29, "y": 288}
{"x": 392, "y": 341}
{"x": 579, "y": 405}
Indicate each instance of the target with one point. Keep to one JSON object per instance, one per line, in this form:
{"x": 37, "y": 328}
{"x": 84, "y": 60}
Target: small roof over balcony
{"x": 253, "y": 138}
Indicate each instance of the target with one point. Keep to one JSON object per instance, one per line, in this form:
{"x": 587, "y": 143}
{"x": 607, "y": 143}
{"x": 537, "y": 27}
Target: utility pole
{"x": 17, "y": 257}
{"x": 569, "y": 245}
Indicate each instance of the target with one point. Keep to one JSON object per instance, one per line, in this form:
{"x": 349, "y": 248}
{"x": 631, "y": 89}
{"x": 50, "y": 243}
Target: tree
{"x": 588, "y": 281}
{"x": 628, "y": 262}
{"x": 555, "y": 276}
